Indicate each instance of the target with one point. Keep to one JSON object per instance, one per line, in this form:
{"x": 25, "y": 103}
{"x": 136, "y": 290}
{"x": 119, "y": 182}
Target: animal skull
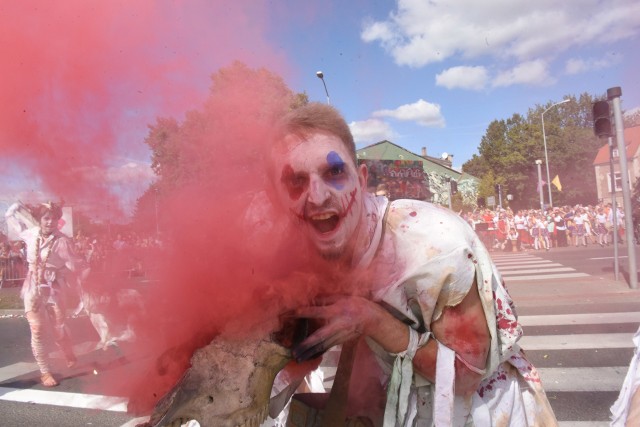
{"x": 228, "y": 385}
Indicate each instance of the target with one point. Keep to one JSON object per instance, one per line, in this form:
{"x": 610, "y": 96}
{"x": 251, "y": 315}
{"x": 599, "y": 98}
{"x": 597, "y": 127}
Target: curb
{"x": 11, "y": 313}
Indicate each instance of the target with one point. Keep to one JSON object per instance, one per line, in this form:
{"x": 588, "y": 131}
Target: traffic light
{"x": 498, "y": 188}
{"x": 454, "y": 186}
{"x": 601, "y": 119}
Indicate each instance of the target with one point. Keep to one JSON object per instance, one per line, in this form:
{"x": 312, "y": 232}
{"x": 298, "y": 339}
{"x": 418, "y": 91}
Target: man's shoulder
{"x": 415, "y": 208}
{"x": 424, "y": 214}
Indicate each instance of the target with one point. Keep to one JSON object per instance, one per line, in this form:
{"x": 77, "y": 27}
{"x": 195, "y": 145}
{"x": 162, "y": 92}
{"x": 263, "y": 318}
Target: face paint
{"x": 295, "y": 185}
{"x": 336, "y": 167}
{"x": 322, "y": 190}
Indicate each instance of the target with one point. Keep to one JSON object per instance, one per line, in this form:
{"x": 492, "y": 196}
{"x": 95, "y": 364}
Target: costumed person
{"x": 54, "y": 271}
{"x": 626, "y": 409}
{"x": 437, "y": 315}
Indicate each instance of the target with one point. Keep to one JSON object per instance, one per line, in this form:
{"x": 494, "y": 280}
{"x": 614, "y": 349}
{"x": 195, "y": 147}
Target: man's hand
{"x": 341, "y": 317}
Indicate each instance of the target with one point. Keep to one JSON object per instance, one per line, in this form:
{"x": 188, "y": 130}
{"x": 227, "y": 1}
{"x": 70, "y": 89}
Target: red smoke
{"x": 80, "y": 83}
{"x": 82, "y": 80}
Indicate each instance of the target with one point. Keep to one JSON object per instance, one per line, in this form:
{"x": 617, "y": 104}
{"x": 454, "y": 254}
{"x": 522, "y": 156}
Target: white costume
{"x": 425, "y": 259}
{"x": 626, "y": 409}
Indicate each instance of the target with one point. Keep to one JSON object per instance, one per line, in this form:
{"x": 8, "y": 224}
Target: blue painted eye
{"x": 337, "y": 170}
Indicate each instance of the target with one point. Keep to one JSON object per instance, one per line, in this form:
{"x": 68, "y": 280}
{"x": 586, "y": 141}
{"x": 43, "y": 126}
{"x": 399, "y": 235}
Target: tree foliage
{"x": 509, "y": 148}
{"x": 184, "y": 153}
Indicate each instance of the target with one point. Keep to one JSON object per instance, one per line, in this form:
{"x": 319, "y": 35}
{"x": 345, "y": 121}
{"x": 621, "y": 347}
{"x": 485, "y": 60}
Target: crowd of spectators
{"x": 535, "y": 229}
{"x": 94, "y": 249}
{"x": 500, "y": 229}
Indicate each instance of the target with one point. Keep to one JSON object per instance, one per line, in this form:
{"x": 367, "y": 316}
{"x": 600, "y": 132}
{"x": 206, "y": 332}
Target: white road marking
{"x": 59, "y": 398}
{"x": 502, "y": 267}
{"x": 548, "y": 276}
{"x": 608, "y": 378}
{"x": 576, "y": 341}
{"x": 537, "y": 270}
{"x": 580, "y": 319}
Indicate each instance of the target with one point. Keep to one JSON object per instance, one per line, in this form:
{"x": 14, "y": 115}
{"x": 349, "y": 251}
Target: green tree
{"x": 244, "y": 100}
{"x": 509, "y": 149}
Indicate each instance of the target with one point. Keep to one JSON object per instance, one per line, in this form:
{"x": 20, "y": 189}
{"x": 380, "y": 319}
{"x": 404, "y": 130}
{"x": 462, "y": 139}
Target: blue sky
{"x": 435, "y": 74}
{"x": 420, "y": 73}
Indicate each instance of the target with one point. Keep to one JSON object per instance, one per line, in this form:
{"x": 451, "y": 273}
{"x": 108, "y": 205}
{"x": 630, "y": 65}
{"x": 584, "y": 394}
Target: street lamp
{"x": 539, "y": 162}
{"x": 546, "y": 157}
{"x": 321, "y": 77}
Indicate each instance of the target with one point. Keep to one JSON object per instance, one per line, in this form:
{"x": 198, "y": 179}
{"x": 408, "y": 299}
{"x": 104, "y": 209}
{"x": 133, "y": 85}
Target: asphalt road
{"x": 578, "y": 327}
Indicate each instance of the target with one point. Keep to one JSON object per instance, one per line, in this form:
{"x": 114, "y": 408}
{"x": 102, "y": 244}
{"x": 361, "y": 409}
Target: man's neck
{"x": 365, "y": 230}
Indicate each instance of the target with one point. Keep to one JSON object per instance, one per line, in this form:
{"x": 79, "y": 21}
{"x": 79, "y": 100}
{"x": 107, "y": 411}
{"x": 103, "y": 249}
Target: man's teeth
{"x": 321, "y": 217}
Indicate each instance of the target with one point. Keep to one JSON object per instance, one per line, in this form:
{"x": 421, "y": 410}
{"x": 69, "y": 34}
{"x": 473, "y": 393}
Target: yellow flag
{"x": 556, "y": 182}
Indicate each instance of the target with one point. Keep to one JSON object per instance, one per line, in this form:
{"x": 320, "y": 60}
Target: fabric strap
{"x": 445, "y": 381}
{"x": 399, "y": 389}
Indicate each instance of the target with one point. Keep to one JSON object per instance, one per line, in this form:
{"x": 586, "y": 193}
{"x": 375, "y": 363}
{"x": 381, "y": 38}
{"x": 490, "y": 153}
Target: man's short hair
{"x": 316, "y": 117}
{"x": 43, "y": 208}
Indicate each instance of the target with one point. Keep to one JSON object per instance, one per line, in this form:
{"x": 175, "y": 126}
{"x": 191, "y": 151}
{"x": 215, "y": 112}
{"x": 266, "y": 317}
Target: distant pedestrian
{"x": 52, "y": 261}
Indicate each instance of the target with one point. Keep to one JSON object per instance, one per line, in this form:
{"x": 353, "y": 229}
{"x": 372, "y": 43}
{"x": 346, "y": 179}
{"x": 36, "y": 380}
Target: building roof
{"x": 387, "y": 150}
{"x": 631, "y": 141}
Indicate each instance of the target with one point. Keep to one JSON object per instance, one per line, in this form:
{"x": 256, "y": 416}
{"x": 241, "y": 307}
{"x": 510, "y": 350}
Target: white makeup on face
{"x": 321, "y": 186}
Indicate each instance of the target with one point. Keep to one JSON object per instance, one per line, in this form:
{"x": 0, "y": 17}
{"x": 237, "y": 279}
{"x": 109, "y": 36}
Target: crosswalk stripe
{"x": 580, "y": 319}
{"x": 584, "y": 424}
{"x": 501, "y": 264}
{"x": 548, "y": 276}
{"x": 59, "y": 398}
{"x": 576, "y": 341}
{"x": 15, "y": 370}
{"x": 532, "y": 264}
{"x": 538, "y": 270}
{"x": 608, "y": 378}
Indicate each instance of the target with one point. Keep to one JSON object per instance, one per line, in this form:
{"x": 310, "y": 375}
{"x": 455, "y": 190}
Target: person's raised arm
{"x": 462, "y": 328}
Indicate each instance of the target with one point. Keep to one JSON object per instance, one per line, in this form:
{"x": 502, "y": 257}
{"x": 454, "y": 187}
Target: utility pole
{"x": 614, "y": 216}
{"x": 613, "y": 94}
{"x": 539, "y": 162}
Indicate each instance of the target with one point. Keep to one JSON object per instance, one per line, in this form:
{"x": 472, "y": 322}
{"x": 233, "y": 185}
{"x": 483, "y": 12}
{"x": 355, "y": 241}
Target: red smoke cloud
{"x": 81, "y": 80}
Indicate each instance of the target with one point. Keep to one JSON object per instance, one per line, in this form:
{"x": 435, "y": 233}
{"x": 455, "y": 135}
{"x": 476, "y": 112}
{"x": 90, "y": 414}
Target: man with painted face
{"x": 51, "y": 259}
{"x": 436, "y": 314}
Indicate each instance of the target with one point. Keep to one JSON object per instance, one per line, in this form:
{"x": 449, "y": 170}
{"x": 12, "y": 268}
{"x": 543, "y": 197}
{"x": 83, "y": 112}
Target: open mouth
{"x": 324, "y": 223}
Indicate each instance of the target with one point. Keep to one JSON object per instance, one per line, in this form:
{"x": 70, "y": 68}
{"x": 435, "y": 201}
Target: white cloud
{"x": 474, "y": 78}
{"x": 532, "y": 72}
{"x": 579, "y": 65}
{"x": 131, "y": 172}
{"x": 371, "y": 130}
{"x": 421, "y": 112}
{"x": 631, "y": 112}
{"x": 424, "y": 32}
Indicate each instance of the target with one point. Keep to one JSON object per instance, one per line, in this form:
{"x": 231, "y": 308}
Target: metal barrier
{"x": 12, "y": 272}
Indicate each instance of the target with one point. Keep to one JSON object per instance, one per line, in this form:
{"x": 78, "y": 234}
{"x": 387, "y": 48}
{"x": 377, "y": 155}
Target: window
{"x": 617, "y": 179}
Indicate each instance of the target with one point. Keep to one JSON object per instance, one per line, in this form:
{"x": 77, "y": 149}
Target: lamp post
{"x": 539, "y": 162}
{"x": 546, "y": 157}
{"x": 321, "y": 77}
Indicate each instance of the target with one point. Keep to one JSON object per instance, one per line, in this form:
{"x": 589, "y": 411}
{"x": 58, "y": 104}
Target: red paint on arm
{"x": 462, "y": 328}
